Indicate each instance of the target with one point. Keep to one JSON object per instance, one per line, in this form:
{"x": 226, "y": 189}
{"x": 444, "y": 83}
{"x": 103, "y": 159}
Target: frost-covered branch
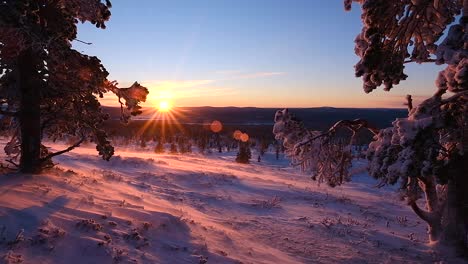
{"x": 353, "y": 125}
{"x": 129, "y": 99}
{"x": 326, "y": 157}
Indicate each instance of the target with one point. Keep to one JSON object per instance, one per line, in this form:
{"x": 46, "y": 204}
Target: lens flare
{"x": 216, "y": 126}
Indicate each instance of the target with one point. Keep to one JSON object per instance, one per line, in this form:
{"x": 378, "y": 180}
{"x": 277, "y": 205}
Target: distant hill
{"x": 314, "y": 118}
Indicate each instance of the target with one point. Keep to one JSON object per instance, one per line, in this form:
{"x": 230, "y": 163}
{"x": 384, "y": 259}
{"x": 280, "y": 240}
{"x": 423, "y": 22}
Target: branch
{"x": 353, "y": 125}
{"x": 12, "y": 162}
{"x": 426, "y": 60}
{"x": 424, "y": 215}
{"x": 87, "y": 43}
{"x": 77, "y": 144}
{"x": 454, "y": 97}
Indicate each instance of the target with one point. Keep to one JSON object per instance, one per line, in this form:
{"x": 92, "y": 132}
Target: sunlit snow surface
{"x": 146, "y": 208}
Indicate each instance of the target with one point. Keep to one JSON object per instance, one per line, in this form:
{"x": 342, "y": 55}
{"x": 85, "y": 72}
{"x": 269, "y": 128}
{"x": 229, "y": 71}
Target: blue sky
{"x": 265, "y": 53}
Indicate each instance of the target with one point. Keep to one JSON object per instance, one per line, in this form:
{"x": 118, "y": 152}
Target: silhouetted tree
{"x": 263, "y": 146}
{"x": 173, "y": 148}
{"x": 142, "y": 142}
{"x": 244, "y": 155}
{"x": 49, "y": 88}
{"x": 277, "y": 149}
{"x": 202, "y": 143}
{"x": 183, "y": 144}
{"x": 159, "y": 146}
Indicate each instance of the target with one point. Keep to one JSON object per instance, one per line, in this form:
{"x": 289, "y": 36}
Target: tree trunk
{"x": 455, "y": 217}
{"x": 448, "y": 221}
{"x": 29, "y": 113}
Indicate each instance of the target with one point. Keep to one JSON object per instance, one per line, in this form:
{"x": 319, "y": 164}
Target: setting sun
{"x": 164, "y": 106}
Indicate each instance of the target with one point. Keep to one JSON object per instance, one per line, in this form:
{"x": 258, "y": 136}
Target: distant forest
{"x": 193, "y": 122}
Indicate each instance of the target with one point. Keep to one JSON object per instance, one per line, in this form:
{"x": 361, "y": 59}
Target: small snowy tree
{"x": 327, "y": 159}
{"x": 427, "y": 151}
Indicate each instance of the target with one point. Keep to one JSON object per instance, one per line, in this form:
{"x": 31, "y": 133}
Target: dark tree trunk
{"x": 447, "y": 216}
{"x": 29, "y": 113}
{"x": 455, "y": 218}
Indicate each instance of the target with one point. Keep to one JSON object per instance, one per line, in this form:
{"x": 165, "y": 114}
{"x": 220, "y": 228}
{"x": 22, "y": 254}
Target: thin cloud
{"x": 260, "y": 75}
{"x": 237, "y": 74}
{"x": 204, "y": 92}
{"x": 177, "y": 84}
{"x": 229, "y": 72}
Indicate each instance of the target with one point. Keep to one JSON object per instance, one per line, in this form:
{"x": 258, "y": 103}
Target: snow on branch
{"x": 323, "y": 155}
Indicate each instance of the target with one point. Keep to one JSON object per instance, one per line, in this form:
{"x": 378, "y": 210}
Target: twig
{"x": 87, "y": 43}
{"x": 12, "y": 162}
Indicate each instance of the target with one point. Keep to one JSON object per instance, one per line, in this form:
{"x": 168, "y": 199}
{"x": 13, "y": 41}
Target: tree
{"x": 50, "y": 89}
{"x": 244, "y": 155}
{"x": 277, "y": 149}
{"x": 142, "y": 142}
{"x": 202, "y": 143}
{"x": 425, "y": 152}
{"x": 159, "y": 146}
{"x": 173, "y": 148}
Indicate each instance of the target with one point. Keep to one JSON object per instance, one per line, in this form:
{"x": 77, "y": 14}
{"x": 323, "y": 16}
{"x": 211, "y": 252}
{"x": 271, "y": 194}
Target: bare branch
{"x": 77, "y": 144}
{"x": 353, "y": 125}
{"x": 87, "y": 43}
{"x": 12, "y": 162}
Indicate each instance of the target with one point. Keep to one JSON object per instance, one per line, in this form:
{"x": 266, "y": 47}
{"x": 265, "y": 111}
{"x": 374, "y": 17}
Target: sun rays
{"x": 165, "y": 116}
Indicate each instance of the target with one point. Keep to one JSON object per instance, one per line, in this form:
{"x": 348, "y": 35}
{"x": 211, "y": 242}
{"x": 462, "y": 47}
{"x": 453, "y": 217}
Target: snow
{"x": 142, "y": 207}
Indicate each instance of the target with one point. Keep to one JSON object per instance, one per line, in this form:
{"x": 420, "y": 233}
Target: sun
{"x": 164, "y": 106}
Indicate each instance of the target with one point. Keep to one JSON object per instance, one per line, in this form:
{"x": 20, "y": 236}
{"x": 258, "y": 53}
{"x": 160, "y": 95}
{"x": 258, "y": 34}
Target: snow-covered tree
{"x": 320, "y": 154}
{"x": 427, "y": 151}
{"x": 47, "y": 87}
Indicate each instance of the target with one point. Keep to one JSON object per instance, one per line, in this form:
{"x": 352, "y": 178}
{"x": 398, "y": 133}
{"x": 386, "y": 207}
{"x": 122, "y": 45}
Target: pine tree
{"x": 277, "y": 149}
{"x": 49, "y": 88}
{"x": 159, "y": 146}
{"x": 182, "y": 144}
{"x": 173, "y": 149}
{"x": 244, "y": 155}
{"x": 263, "y": 146}
{"x": 142, "y": 142}
{"x": 427, "y": 151}
{"x": 202, "y": 143}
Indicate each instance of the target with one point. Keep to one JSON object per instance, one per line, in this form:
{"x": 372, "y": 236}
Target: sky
{"x": 261, "y": 53}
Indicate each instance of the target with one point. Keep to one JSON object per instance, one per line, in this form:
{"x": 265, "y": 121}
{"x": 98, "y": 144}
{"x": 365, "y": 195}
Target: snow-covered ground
{"x": 146, "y": 208}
